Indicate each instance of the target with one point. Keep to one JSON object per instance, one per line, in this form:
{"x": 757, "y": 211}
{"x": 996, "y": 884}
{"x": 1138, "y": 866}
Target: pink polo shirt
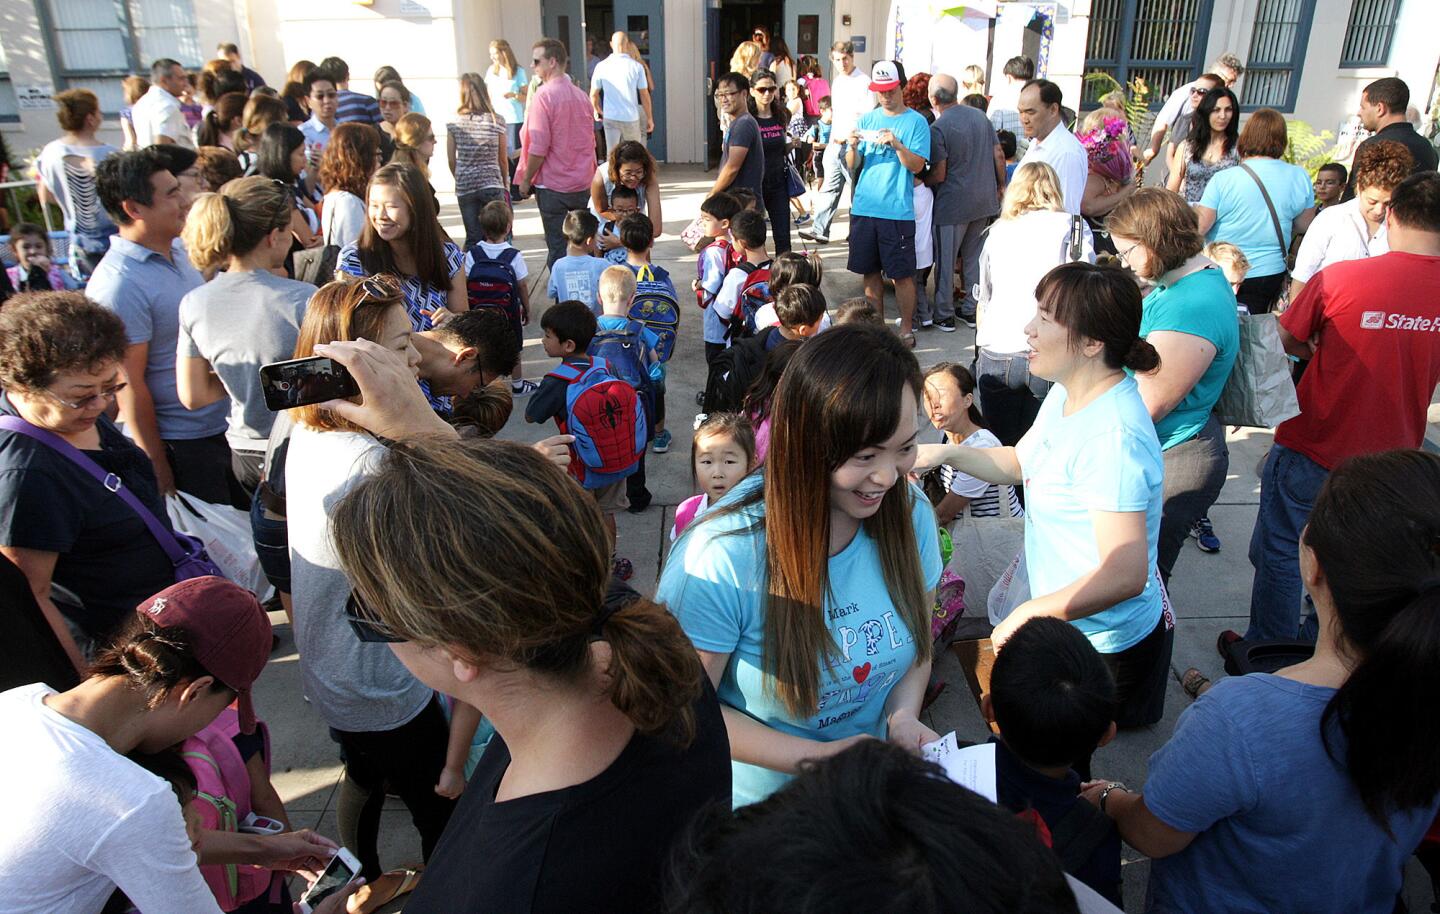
{"x": 560, "y": 126}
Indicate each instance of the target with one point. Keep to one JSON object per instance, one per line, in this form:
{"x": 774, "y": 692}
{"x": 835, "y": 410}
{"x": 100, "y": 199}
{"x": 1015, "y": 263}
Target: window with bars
{"x": 1160, "y": 41}
{"x": 94, "y": 44}
{"x": 1369, "y": 33}
{"x": 9, "y": 107}
{"x": 1277, "y": 50}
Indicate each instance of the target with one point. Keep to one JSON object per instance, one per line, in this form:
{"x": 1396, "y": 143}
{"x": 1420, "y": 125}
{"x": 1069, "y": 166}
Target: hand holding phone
{"x": 338, "y": 876}
{"x": 301, "y": 382}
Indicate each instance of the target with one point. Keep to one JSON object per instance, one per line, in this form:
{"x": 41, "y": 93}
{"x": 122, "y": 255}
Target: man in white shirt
{"x": 1050, "y": 142}
{"x": 1183, "y": 102}
{"x": 157, "y": 115}
{"x": 850, "y": 97}
{"x": 621, "y": 79}
{"x": 1005, "y": 104}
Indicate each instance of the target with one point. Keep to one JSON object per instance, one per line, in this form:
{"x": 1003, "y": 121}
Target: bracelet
{"x": 1105, "y": 794}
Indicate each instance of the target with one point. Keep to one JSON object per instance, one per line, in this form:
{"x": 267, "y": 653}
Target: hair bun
{"x": 1142, "y": 357}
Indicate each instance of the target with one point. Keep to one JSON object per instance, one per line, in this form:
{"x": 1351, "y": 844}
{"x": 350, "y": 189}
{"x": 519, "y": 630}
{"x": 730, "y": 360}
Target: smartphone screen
{"x": 336, "y": 876}
{"x": 300, "y": 382}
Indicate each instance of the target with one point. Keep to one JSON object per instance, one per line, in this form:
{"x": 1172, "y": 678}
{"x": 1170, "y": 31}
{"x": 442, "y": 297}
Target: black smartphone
{"x": 300, "y": 382}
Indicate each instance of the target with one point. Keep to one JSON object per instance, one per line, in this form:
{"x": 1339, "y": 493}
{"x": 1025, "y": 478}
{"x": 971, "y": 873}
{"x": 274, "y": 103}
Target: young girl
{"x": 761, "y": 396}
{"x": 986, "y": 515}
{"x": 34, "y": 270}
{"x": 722, "y": 454}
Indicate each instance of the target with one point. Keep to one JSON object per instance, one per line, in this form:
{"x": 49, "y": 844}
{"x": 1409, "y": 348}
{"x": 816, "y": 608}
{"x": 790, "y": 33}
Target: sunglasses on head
{"x": 375, "y": 287}
{"x": 366, "y": 625}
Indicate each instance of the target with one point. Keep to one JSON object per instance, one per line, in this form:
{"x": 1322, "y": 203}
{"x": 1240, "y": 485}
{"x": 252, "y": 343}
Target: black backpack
{"x": 731, "y": 374}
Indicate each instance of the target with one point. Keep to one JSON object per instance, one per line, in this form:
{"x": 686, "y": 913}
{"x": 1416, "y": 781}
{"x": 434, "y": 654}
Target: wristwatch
{"x": 1105, "y": 794}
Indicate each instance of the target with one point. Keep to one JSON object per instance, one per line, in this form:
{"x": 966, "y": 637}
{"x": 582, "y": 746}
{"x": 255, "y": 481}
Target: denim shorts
{"x": 272, "y": 545}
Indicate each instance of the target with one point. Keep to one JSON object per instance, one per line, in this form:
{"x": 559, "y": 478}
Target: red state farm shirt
{"x": 1377, "y": 360}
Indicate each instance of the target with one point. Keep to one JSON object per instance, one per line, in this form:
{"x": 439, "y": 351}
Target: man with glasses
{"x": 620, "y": 79}
{"x": 557, "y": 144}
{"x": 1184, "y": 101}
{"x": 850, "y": 97}
{"x": 742, "y": 162}
{"x": 323, "y": 97}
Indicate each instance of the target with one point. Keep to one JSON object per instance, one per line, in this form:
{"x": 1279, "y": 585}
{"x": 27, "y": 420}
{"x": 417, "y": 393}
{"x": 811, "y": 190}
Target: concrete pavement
{"x": 1210, "y": 592}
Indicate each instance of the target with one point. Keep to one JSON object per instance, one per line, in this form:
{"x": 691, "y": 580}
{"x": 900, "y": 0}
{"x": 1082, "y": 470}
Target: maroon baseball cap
{"x": 229, "y": 630}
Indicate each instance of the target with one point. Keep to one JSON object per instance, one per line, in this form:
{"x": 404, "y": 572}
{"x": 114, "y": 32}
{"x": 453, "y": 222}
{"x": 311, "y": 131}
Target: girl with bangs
{"x": 807, "y": 591}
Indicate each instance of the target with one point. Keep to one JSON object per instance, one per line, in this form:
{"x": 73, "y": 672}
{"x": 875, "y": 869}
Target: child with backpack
{"x": 747, "y": 286}
{"x": 576, "y": 276}
{"x": 655, "y": 305}
{"x": 604, "y": 413}
{"x": 1053, "y": 699}
{"x": 788, "y": 269}
{"x": 714, "y": 263}
{"x": 630, "y": 348}
{"x": 495, "y": 278}
{"x": 800, "y": 310}
{"x": 721, "y": 454}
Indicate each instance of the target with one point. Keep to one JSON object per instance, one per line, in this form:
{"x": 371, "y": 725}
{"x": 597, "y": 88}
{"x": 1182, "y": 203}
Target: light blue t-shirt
{"x": 884, "y": 189}
{"x": 1242, "y": 217}
{"x": 1105, "y": 457}
{"x": 576, "y": 277}
{"x": 1201, "y": 304}
{"x": 144, "y": 288}
{"x": 1281, "y": 829}
{"x": 715, "y": 584}
{"x": 648, "y": 339}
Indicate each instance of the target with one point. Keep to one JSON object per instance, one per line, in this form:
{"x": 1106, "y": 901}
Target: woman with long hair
{"x": 1032, "y": 236}
{"x": 506, "y": 88}
{"x": 388, "y": 74}
{"x": 478, "y": 148}
{"x": 782, "y": 63}
{"x": 1210, "y": 146}
{"x": 402, "y": 237}
{"x": 1110, "y": 175}
{"x": 297, "y": 104}
{"x": 349, "y": 159}
{"x": 807, "y": 590}
{"x": 746, "y": 59}
{"x": 394, "y": 101}
{"x": 1242, "y": 807}
{"x": 414, "y": 146}
{"x": 604, "y": 720}
{"x": 390, "y": 726}
{"x": 760, "y": 37}
{"x": 223, "y": 121}
{"x": 1093, "y": 473}
{"x": 281, "y": 157}
{"x": 769, "y": 110}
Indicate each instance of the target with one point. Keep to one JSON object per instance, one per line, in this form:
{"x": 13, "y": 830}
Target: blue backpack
{"x": 492, "y": 283}
{"x": 624, "y": 349}
{"x": 605, "y": 415}
{"x": 656, "y": 307}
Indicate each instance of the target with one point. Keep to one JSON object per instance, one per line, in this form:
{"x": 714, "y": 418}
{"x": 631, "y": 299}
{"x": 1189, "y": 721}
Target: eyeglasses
{"x": 726, "y": 94}
{"x": 377, "y": 288}
{"x": 366, "y": 625}
{"x": 1198, "y": 90}
{"x": 86, "y": 402}
{"x": 537, "y": 61}
{"x": 1125, "y": 255}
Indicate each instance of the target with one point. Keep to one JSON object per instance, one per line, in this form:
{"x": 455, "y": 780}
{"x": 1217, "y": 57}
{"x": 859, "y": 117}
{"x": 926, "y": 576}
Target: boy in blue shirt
{"x": 637, "y": 236}
{"x": 818, "y": 136}
{"x": 576, "y": 276}
{"x": 617, "y": 291}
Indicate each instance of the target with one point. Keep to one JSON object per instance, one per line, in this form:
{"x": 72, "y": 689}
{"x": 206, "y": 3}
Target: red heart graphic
{"x": 860, "y": 672}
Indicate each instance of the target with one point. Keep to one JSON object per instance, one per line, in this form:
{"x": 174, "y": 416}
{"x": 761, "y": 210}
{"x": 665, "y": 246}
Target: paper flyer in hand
{"x": 972, "y": 767}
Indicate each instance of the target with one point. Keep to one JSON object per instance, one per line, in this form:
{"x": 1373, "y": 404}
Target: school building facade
{"x": 1308, "y": 58}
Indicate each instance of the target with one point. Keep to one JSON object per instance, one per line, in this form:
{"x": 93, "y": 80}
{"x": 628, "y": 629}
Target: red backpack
{"x": 754, "y": 295}
{"x": 607, "y": 417}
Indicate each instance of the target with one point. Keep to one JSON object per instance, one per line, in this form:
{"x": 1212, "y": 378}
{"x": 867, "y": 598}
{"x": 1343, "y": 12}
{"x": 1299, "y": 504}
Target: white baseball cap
{"x": 885, "y": 75}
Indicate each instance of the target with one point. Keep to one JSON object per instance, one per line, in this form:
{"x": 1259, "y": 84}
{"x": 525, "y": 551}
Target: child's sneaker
{"x": 661, "y": 443}
{"x": 802, "y": 219}
{"x": 523, "y": 388}
{"x": 623, "y": 569}
{"x": 1204, "y": 535}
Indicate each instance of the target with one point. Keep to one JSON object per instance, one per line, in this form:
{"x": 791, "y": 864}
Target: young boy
{"x": 637, "y": 236}
{"x": 715, "y": 215}
{"x": 495, "y": 222}
{"x": 801, "y": 312}
{"x": 623, "y": 201}
{"x": 748, "y": 230}
{"x": 617, "y": 291}
{"x": 576, "y": 276}
{"x": 1053, "y": 698}
{"x": 1330, "y": 183}
{"x": 1007, "y": 142}
{"x": 818, "y": 136}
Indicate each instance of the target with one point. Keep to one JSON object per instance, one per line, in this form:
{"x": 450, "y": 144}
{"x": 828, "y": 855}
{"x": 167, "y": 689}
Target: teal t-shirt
{"x": 1242, "y": 218}
{"x": 1201, "y": 304}
{"x": 884, "y": 189}
{"x": 714, "y": 582}
{"x": 1104, "y": 457}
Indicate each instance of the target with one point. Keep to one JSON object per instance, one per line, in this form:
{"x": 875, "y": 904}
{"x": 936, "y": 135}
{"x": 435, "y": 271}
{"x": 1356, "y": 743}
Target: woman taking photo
{"x": 1257, "y": 205}
{"x": 282, "y": 158}
{"x": 245, "y": 317}
{"x": 478, "y": 149}
{"x": 608, "y": 737}
{"x": 184, "y": 655}
{"x": 630, "y": 165}
{"x": 1032, "y": 236}
{"x": 402, "y": 237}
{"x": 1190, "y": 320}
{"x": 1092, "y": 471}
{"x": 1243, "y": 816}
{"x": 807, "y": 590}
{"x": 1209, "y": 147}
{"x": 349, "y": 159}
{"x": 506, "y": 89}
{"x": 390, "y": 725}
{"x": 770, "y": 114}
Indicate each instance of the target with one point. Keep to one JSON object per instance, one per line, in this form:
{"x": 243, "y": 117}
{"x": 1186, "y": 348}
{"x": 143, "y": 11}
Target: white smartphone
{"x": 870, "y": 136}
{"x": 343, "y": 867}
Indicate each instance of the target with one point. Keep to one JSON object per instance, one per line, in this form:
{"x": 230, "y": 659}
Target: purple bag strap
{"x": 110, "y": 481}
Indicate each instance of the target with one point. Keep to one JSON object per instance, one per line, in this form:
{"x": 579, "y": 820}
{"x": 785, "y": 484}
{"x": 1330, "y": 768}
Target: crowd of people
{"x": 463, "y": 621}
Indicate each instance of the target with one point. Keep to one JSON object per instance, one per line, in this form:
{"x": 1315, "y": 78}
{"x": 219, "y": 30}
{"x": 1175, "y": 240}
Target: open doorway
{"x": 725, "y": 28}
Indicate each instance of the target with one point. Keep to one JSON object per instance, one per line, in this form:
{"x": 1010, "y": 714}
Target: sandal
{"x": 1194, "y": 683}
{"x": 389, "y": 886}
{"x": 908, "y": 339}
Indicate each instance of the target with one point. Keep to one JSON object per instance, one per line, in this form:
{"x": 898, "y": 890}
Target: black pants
{"x": 409, "y": 760}
{"x": 635, "y": 490}
{"x": 1259, "y": 293}
{"x": 470, "y": 207}
{"x": 202, "y": 468}
{"x": 247, "y": 467}
{"x": 1140, "y": 672}
{"x": 777, "y": 207}
{"x": 713, "y": 350}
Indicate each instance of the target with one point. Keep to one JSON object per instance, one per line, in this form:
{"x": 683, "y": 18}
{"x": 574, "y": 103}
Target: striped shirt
{"x": 477, "y": 152}
{"x": 356, "y": 107}
{"x": 984, "y": 496}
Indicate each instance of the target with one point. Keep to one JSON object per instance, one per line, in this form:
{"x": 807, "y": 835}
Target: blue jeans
{"x": 470, "y": 207}
{"x": 1010, "y": 395}
{"x": 836, "y": 177}
{"x": 1288, "y": 486}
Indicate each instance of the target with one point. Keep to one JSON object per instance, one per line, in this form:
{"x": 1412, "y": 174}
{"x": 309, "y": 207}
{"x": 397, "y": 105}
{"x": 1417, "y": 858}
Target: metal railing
{"x": 11, "y": 197}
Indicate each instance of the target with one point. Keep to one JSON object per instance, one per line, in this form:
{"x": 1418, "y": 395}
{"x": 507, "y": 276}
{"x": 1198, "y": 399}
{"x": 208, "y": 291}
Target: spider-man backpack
{"x": 607, "y": 418}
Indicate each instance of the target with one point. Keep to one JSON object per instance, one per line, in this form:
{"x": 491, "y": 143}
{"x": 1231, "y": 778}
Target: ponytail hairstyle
{"x": 841, "y": 393}
{"x": 410, "y": 131}
{"x": 1101, "y": 304}
{"x": 233, "y": 221}
{"x": 966, "y": 382}
{"x": 221, "y": 119}
{"x": 794, "y": 267}
{"x": 474, "y": 97}
{"x": 408, "y": 536}
{"x": 154, "y": 661}
{"x": 1375, "y": 533}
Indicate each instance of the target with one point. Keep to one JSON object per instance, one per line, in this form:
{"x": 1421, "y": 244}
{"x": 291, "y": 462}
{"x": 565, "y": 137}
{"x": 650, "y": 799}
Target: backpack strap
{"x": 1079, "y": 833}
{"x": 570, "y": 373}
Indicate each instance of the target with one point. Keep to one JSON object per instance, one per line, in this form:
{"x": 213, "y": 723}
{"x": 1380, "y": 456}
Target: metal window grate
{"x": 95, "y": 43}
{"x": 1277, "y": 49}
{"x": 1369, "y": 33}
{"x": 1160, "y": 41}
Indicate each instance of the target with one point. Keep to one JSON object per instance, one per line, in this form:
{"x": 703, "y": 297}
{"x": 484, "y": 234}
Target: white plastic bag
{"x": 1010, "y": 591}
{"x": 985, "y": 547}
{"x": 226, "y": 533}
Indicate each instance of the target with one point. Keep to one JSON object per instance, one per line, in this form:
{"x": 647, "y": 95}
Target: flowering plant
{"x": 1109, "y": 150}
